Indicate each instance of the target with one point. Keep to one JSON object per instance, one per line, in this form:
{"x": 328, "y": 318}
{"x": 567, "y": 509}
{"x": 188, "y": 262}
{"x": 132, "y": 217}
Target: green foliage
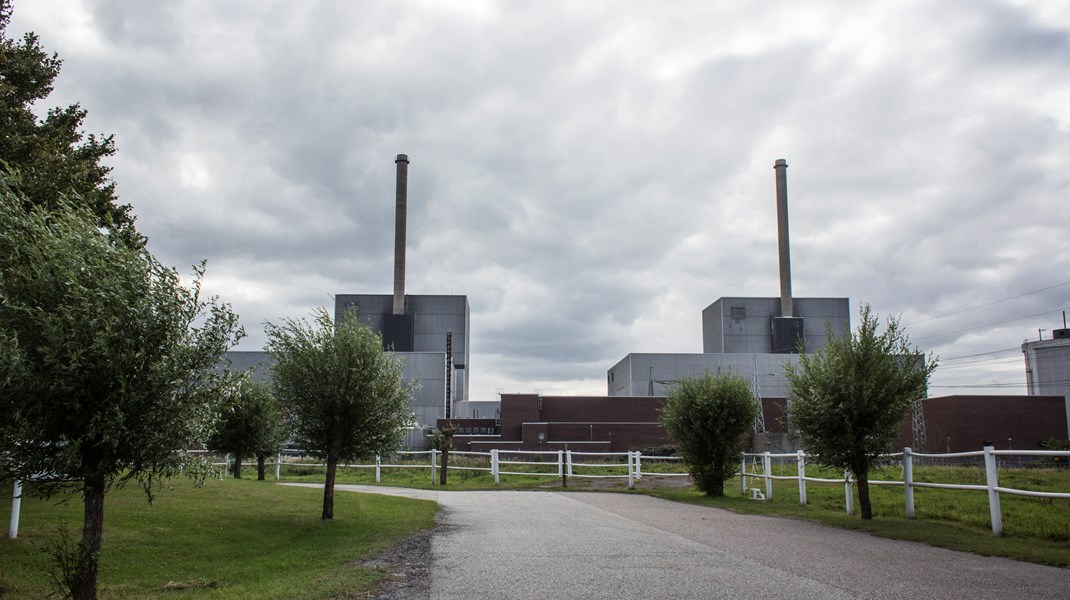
{"x": 846, "y": 402}
{"x": 1056, "y": 444}
{"x": 250, "y": 422}
{"x": 342, "y": 393}
{"x": 71, "y": 562}
{"x": 107, "y": 362}
{"x": 709, "y": 417}
{"x": 442, "y": 438}
{"x": 52, "y": 157}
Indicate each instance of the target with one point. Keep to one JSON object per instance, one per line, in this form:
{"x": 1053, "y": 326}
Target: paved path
{"x": 601, "y": 545}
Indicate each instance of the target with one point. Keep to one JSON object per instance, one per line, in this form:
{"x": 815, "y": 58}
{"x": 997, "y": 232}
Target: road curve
{"x": 604, "y": 545}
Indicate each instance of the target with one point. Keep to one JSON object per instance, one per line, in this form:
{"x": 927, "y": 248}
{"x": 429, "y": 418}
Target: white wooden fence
{"x": 506, "y": 462}
{"x": 991, "y": 486}
{"x": 563, "y": 463}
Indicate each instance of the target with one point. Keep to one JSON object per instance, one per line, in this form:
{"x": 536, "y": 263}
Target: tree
{"x": 51, "y": 158}
{"x": 250, "y": 422}
{"x": 442, "y": 440}
{"x": 709, "y": 417}
{"x": 107, "y": 363}
{"x": 846, "y": 402}
{"x": 343, "y": 394}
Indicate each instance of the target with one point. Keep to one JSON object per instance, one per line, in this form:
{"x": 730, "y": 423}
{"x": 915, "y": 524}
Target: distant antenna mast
{"x": 759, "y": 419}
{"x": 917, "y": 422}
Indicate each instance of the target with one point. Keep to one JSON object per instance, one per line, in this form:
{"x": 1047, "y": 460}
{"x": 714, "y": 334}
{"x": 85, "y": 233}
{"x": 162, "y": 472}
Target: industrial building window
{"x": 738, "y": 312}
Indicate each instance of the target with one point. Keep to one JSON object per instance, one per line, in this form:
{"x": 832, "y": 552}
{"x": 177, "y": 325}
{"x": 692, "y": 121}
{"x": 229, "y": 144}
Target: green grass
{"x": 1035, "y": 529}
{"x": 228, "y": 539}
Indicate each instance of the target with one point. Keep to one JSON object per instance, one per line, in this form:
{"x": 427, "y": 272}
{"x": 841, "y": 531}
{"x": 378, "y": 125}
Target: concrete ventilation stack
{"x": 787, "y": 329}
{"x": 781, "y": 168}
{"x": 398, "y": 327}
{"x": 400, "y": 216}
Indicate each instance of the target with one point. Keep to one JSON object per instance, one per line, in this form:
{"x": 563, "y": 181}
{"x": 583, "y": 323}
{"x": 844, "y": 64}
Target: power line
{"x": 980, "y": 354}
{"x": 1046, "y": 384}
{"x": 974, "y": 365}
{"x": 1050, "y": 287}
{"x": 1040, "y": 314}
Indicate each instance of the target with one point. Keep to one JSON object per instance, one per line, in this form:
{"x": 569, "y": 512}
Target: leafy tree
{"x": 53, "y": 159}
{"x": 343, "y": 394}
{"x": 107, "y": 363}
{"x": 442, "y": 440}
{"x": 709, "y": 417}
{"x": 846, "y": 402}
{"x": 250, "y": 423}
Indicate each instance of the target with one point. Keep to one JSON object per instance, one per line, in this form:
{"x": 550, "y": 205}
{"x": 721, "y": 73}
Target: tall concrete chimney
{"x": 781, "y": 168}
{"x": 402, "y": 162}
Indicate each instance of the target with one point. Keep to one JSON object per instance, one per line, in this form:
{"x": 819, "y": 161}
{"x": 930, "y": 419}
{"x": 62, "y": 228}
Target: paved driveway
{"x": 600, "y": 545}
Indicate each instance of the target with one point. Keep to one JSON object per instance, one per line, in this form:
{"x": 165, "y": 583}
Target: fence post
{"x": 278, "y": 466}
{"x": 226, "y": 465}
{"x": 743, "y": 475}
{"x": 16, "y": 506}
{"x": 992, "y": 478}
{"x": 494, "y": 465}
{"x": 560, "y": 463}
{"x": 631, "y": 480}
{"x": 378, "y": 468}
{"x": 802, "y": 478}
{"x": 848, "y": 492}
{"x": 638, "y": 464}
{"x": 908, "y": 481}
{"x": 767, "y": 464}
{"x": 568, "y": 461}
{"x": 433, "y": 466}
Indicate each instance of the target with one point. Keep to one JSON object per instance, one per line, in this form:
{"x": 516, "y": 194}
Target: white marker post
{"x": 16, "y": 507}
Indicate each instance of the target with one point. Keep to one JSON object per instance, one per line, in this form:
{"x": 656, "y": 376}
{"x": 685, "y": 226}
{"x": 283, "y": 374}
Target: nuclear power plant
{"x": 428, "y": 333}
{"x": 753, "y": 337}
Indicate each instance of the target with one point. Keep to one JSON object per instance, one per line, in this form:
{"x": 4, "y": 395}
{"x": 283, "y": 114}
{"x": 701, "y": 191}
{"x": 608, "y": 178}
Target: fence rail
{"x": 907, "y": 456}
{"x": 563, "y": 464}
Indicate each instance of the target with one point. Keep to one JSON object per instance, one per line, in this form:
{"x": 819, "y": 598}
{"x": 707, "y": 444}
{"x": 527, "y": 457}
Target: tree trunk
{"x": 862, "y": 479}
{"x": 444, "y": 467}
{"x": 84, "y": 583}
{"x": 328, "y": 486}
{"x": 237, "y": 466}
{"x": 718, "y": 488}
{"x": 260, "y": 459}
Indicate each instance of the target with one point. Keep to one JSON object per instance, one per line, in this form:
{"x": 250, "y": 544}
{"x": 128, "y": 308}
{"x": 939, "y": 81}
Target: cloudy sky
{"x": 593, "y": 174}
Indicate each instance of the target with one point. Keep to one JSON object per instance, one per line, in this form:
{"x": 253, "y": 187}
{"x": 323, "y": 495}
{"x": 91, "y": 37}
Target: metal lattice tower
{"x": 759, "y": 420}
{"x": 917, "y": 421}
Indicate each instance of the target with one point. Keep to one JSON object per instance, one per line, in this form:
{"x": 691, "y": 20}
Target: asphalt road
{"x": 602, "y": 545}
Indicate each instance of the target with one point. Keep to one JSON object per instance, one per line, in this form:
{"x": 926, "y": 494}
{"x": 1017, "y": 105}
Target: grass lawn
{"x": 228, "y": 539}
{"x": 1035, "y": 529}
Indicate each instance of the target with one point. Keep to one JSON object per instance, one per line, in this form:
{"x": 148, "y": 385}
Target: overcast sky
{"x": 593, "y": 174}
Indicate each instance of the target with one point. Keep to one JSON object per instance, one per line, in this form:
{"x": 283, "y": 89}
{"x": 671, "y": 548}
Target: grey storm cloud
{"x": 592, "y": 175}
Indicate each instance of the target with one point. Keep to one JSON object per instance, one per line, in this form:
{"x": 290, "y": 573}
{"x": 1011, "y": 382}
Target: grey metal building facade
{"x": 732, "y": 325}
{"x": 1047, "y": 367}
{"x": 639, "y": 374}
{"x": 434, "y": 320}
{"x": 737, "y": 337}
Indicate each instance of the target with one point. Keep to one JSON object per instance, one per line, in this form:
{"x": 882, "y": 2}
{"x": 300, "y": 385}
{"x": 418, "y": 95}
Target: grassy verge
{"x": 1035, "y": 529}
{"x": 228, "y": 539}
